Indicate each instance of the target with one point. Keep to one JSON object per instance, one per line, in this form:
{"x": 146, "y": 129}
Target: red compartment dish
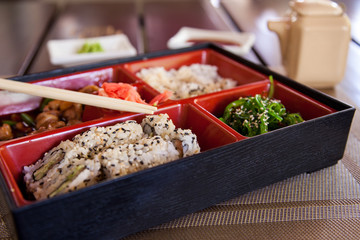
{"x": 293, "y": 100}
{"x": 226, "y": 67}
{"x": 184, "y": 116}
{"x": 76, "y": 81}
{"x": 228, "y": 165}
{"x": 73, "y": 81}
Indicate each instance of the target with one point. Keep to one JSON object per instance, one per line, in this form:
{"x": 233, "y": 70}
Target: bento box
{"x": 229, "y": 163}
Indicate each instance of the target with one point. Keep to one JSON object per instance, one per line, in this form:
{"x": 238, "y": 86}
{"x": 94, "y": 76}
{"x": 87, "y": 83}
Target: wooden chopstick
{"x": 76, "y": 97}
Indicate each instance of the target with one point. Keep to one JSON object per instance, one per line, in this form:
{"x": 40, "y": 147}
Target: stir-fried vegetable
{"x": 251, "y": 116}
{"x": 27, "y": 119}
{"x": 51, "y": 114}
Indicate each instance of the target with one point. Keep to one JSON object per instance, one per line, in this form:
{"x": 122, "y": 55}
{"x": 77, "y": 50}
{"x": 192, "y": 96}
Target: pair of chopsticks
{"x": 76, "y": 97}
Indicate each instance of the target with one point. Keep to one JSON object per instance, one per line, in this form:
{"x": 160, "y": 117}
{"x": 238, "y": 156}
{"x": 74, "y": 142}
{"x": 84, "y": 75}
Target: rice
{"x": 158, "y": 125}
{"x": 102, "y": 153}
{"x": 183, "y": 139}
{"x": 145, "y": 153}
{"x": 98, "y": 138}
{"x": 187, "y": 81}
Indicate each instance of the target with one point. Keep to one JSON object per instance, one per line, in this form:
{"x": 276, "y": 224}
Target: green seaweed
{"x": 254, "y": 115}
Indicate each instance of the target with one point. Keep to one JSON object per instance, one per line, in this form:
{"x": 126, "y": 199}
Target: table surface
{"x": 92, "y": 19}
{"x": 319, "y": 205}
{"x": 22, "y": 29}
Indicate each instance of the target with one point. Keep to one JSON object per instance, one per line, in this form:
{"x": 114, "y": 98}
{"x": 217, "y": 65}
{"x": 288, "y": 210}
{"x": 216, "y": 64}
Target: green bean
{"x": 44, "y": 103}
{"x": 9, "y": 122}
{"x": 27, "y": 119}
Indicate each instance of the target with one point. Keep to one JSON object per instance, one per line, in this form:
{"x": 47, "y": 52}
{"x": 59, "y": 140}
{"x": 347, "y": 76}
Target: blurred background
{"x": 27, "y": 26}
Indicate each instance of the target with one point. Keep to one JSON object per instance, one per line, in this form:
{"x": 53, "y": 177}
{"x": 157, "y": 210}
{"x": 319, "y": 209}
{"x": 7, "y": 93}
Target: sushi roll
{"x": 183, "y": 139}
{"x": 159, "y": 125}
{"x": 63, "y": 169}
{"x": 102, "y": 153}
{"x": 145, "y": 153}
{"x": 98, "y": 138}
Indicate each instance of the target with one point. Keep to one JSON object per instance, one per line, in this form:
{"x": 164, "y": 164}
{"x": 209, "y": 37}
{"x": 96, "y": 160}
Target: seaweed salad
{"x": 254, "y": 115}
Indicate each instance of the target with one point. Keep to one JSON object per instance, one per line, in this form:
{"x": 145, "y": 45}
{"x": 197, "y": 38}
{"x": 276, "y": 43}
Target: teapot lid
{"x": 316, "y": 7}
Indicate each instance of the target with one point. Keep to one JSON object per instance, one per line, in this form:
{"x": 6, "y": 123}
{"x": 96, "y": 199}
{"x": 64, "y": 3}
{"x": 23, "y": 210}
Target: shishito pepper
{"x": 254, "y": 115}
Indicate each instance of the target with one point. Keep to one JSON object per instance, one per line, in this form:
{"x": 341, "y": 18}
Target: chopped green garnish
{"x": 91, "y": 48}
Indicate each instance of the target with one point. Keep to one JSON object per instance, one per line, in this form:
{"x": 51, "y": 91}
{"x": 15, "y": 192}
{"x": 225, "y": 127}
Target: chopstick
{"x": 76, "y": 97}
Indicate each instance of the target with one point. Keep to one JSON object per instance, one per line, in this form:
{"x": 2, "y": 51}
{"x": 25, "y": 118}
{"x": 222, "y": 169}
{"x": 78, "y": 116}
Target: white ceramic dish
{"x": 64, "y": 52}
{"x": 235, "y": 42}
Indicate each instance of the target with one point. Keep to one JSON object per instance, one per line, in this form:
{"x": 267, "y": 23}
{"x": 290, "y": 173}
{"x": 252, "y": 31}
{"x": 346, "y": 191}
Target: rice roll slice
{"x": 82, "y": 174}
{"x": 159, "y": 125}
{"x": 98, "y": 138}
{"x": 185, "y": 141}
{"x": 41, "y": 167}
{"x": 69, "y": 173}
{"x": 145, "y": 153}
{"x": 108, "y": 152}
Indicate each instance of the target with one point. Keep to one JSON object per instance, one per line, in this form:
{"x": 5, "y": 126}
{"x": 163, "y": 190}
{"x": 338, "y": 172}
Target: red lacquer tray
{"x": 229, "y": 164}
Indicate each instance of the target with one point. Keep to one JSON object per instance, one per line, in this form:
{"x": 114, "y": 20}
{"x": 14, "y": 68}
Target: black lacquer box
{"x": 229, "y": 164}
